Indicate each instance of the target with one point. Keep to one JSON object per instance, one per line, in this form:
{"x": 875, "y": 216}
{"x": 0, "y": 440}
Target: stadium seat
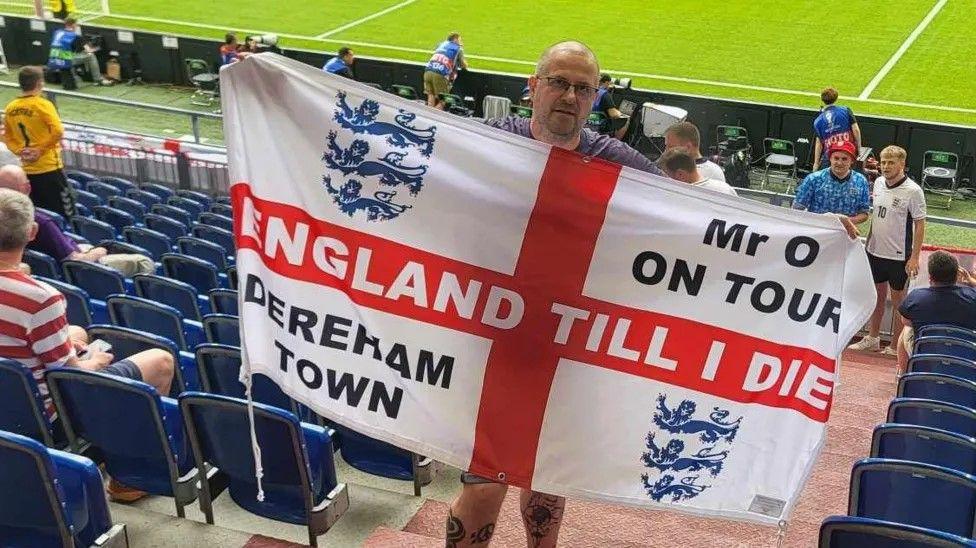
{"x": 97, "y": 280}
{"x": 170, "y": 227}
{"x": 82, "y": 209}
{"x": 42, "y": 264}
{"x": 52, "y": 498}
{"x": 914, "y": 493}
{"x": 223, "y": 301}
{"x": 222, "y": 329}
{"x": 407, "y": 92}
{"x": 383, "y": 459}
{"x": 222, "y": 209}
{"x": 126, "y": 342}
{"x": 194, "y": 209}
{"x": 935, "y": 414}
{"x": 938, "y": 387}
{"x": 74, "y": 183}
{"x": 161, "y": 191}
{"x": 223, "y": 238}
{"x": 155, "y": 243}
{"x": 779, "y": 157}
{"x": 940, "y": 165}
{"x": 205, "y": 80}
{"x": 102, "y": 190}
{"x": 946, "y": 346}
{"x": 299, "y": 486}
{"x": 948, "y": 365}
{"x": 180, "y": 295}
{"x": 924, "y": 444}
{"x": 213, "y": 219}
{"x": 139, "y": 434}
{"x": 116, "y": 217}
{"x": 131, "y": 206}
{"x": 231, "y": 273}
{"x": 199, "y": 197}
{"x": 21, "y": 404}
{"x": 202, "y": 275}
{"x": 147, "y": 199}
{"x": 203, "y": 250}
{"x": 156, "y": 318}
{"x": 522, "y": 111}
{"x": 56, "y": 217}
{"x": 222, "y": 199}
{"x": 946, "y": 331}
{"x": 79, "y": 306}
{"x": 93, "y": 230}
{"x": 81, "y": 176}
{"x": 115, "y": 246}
{"x": 173, "y": 212}
{"x": 853, "y": 532}
{"x": 88, "y": 199}
{"x": 120, "y": 184}
{"x": 220, "y": 373}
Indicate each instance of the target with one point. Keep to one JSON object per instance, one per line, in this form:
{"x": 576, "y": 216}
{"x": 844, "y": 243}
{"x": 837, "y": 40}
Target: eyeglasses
{"x": 561, "y": 85}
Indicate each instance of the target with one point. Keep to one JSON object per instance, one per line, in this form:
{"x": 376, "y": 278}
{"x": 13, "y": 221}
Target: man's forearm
{"x": 918, "y": 238}
{"x": 859, "y": 218}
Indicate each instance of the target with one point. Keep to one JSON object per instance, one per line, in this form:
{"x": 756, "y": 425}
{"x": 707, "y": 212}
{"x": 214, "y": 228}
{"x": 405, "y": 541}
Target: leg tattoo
{"x": 540, "y": 515}
{"x": 483, "y": 535}
{"x": 455, "y": 531}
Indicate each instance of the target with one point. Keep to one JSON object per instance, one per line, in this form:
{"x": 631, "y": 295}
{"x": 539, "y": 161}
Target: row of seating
{"x": 918, "y": 486}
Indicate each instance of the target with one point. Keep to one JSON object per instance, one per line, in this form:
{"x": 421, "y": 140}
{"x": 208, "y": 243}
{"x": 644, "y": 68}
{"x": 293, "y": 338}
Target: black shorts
{"x": 50, "y": 190}
{"x": 124, "y": 368}
{"x": 888, "y": 271}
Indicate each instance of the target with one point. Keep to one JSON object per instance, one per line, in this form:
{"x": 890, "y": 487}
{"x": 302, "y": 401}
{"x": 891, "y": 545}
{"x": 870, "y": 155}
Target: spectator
{"x": 604, "y": 103}
{"x": 679, "y": 164}
{"x": 35, "y": 329}
{"x": 229, "y": 49}
{"x": 686, "y": 135}
{"x": 33, "y": 132}
{"x": 442, "y": 69}
{"x": 341, "y": 64}
{"x": 835, "y": 124}
{"x": 52, "y": 241}
{"x": 838, "y": 189}
{"x": 943, "y": 302}
{"x": 69, "y": 48}
{"x": 894, "y": 243}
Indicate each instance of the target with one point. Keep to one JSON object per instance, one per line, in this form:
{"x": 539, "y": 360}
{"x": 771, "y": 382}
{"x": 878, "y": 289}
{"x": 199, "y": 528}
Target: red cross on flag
{"x": 531, "y": 315}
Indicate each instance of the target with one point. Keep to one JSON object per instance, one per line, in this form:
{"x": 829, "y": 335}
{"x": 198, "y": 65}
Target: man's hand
{"x": 849, "y": 226}
{"x": 80, "y": 346}
{"x": 911, "y": 267}
{"x": 30, "y": 154}
{"x": 96, "y": 361}
{"x": 966, "y": 277}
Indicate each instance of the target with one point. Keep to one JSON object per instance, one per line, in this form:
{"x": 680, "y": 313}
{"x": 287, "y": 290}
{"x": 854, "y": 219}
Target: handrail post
{"x": 195, "y": 124}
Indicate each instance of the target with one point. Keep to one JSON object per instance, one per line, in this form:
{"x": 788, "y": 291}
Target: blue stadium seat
{"x": 946, "y": 346}
{"x": 115, "y": 246}
{"x": 220, "y": 373}
{"x": 202, "y": 275}
{"x": 217, "y": 235}
{"x": 52, "y": 498}
{"x": 161, "y": 191}
{"x": 82, "y": 209}
{"x": 55, "y": 216}
{"x": 116, "y": 217}
{"x": 147, "y": 199}
{"x": 948, "y": 365}
{"x": 203, "y": 250}
{"x": 156, "y": 318}
{"x": 126, "y": 342}
{"x": 21, "y": 404}
{"x": 102, "y": 190}
{"x": 231, "y": 274}
{"x": 170, "y": 227}
{"x": 93, "y": 230}
{"x": 223, "y": 301}
{"x": 74, "y": 183}
{"x": 222, "y": 329}
{"x": 139, "y": 434}
{"x": 222, "y": 209}
{"x": 852, "y": 532}
{"x": 180, "y": 295}
{"x": 935, "y": 414}
{"x": 213, "y": 219}
{"x": 42, "y": 264}
{"x": 77, "y": 238}
{"x": 133, "y": 207}
{"x": 938, "y": 387}
{"x": 914, "y": 493}
{"x": 88, "y": 199}
{"x": 222, "y": 199}
{"x": 924, "y": 444}
{"x": 192, "y": 207}
{"x": 299, "y": 486}
{"x": 946, "y": 331}
{"x": 174, "y": 213}
{"x": 97, "y": 280}
{"x": 120, "y": 184}
{"x": 382, "y": 459}
{"x": 155, "y": 243}
{"x": 79, "y": 305}
{"x": 81, "y": 176}
{"x": 199, "y": 197}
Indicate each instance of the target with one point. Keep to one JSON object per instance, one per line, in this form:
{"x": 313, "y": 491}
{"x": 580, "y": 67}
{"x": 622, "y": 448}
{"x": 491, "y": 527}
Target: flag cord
{"x": 255, "y": 448}
{"x": 781, "y": 535}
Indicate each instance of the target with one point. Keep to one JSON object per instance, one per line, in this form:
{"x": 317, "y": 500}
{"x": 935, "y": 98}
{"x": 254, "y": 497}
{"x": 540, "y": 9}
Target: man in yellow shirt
{"x": 32, "y": 131}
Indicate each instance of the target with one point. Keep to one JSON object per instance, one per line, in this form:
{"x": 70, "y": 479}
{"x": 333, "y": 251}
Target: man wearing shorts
{"x": 442, "y": 69}
{"x": 894, "y": 243}
{"x": 34, "y": 327}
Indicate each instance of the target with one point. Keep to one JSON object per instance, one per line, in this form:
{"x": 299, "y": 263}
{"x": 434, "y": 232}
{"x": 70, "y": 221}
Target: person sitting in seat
{"x": 687, "y": 136}
{"x": 679, "y": 164}
{"x": 52, "y": 241}
{"x": 35, "y": 326}
{"x": 69, "y": 48}
{"x": 604, "y": 103}
{"x": 950, "y": 299}
{"x": 342, "y": 63}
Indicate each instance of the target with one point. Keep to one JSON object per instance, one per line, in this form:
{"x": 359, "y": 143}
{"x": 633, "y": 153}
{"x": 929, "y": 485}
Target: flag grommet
{"x": 501, "y": 476}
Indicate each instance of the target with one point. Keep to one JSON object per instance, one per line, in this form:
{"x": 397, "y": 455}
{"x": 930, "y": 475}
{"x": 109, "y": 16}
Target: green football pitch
{"x": 912, "y": 59}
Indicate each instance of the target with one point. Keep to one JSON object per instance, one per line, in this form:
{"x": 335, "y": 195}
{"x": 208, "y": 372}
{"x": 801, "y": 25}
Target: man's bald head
{"x": 569, "y": 47}
{"x": 14, "y": 178}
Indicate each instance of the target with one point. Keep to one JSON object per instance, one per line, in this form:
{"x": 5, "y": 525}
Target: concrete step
{"x": 384, "y": 537}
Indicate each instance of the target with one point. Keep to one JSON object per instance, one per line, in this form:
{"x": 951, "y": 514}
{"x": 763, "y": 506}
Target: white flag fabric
{"x": 531, "y": 315}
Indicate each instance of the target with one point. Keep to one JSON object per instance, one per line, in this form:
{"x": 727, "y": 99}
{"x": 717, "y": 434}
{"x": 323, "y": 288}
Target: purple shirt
{"x": 50, "y": 240}
{"x": 591, "y": 144}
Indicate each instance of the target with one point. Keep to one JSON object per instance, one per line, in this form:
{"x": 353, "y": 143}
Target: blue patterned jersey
{"x": 822, "y": 192}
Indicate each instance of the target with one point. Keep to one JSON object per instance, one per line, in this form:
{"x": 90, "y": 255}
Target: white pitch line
{"x": 364, "y": 19}
{"x": 866, "y": 93}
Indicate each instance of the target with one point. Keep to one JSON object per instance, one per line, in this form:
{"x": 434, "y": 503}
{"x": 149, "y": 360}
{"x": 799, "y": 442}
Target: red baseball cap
{"x": 844, "y": 146}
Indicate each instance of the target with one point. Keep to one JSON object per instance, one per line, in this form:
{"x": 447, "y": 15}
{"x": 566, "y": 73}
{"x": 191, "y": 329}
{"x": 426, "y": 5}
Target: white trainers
{"x": 867, "y": 343}
{"x": 889, "y": 351}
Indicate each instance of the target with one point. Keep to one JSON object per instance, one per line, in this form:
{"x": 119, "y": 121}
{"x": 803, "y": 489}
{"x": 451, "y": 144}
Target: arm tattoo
{"x": 455, "y": 531}
{"x": 541, "y": 513}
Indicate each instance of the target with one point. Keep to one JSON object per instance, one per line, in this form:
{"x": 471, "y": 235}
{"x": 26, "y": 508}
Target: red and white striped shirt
{"x": 33, "y": 326}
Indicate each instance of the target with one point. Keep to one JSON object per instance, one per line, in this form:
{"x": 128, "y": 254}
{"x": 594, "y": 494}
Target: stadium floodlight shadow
{"x": 854, "y": 532}
{"x": 299, "y": 479}
{"x": 203, "y": 250}
{"x": 180, "y": 295}
{"x": 946, "y": 346}
{"x": 116, "y": 217}
{"x": 220, "y": 373}
{"x": 127, "y": 342}
{"x": 942, "y": 330}
{"x": 42, "y": 264}
{"x": 156, "y": 318}
{"x": 935, "y": 414}
{"x": 93, "y": 230}
{"x": 914, "y": 493}
{"x": 924, "y": 444}
{"x": 138, "y": 433}
{"x": 133, "y": 207}
{"x": 223, "y": 301}
{"x": 52, "y": 498}
{"x": 22, "y": 406}
{"x": 938, "y": 387}
{"x": 99, "y": 281}
{"x": 947, "y": 365}
{"x": 79, "y": 309}
{"x": 147, "y": 199}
